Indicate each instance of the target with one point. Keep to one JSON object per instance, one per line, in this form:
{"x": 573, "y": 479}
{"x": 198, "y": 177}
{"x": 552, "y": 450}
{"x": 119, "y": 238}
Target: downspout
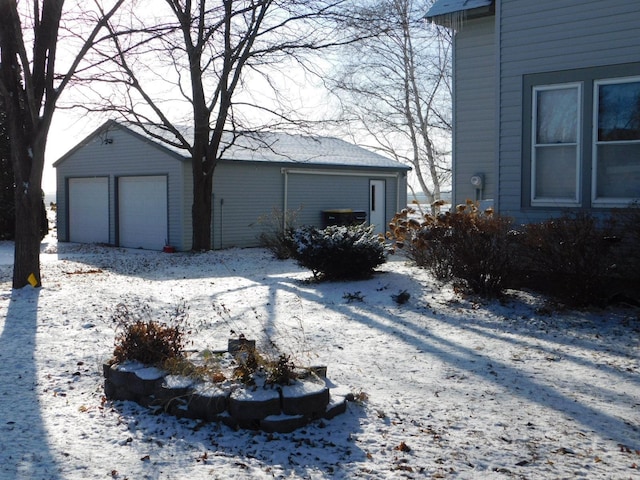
{"x": 498, "y": 68}
{"x": 213, "y": 221}
{"x": 221, "y": 219}
{"x": 285, "y": 200}
{"x": 454, "y": 116}
{"x": 398, "y": 193}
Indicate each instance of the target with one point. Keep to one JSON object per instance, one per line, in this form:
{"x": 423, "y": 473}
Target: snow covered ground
{"x": 456, "y": 387}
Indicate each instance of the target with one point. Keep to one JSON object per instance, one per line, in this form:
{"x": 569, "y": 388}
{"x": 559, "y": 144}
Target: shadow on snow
{"x": 25, "y": 452}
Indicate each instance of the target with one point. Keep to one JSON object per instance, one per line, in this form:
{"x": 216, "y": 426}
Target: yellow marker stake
{"x": 32, "y": 280}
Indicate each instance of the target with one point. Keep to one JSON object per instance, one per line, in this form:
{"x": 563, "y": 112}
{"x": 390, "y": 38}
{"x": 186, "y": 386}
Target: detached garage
{"x": 123, "y": 188}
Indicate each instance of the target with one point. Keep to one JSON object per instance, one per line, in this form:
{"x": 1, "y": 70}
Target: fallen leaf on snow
{"x": 403, "y": 447}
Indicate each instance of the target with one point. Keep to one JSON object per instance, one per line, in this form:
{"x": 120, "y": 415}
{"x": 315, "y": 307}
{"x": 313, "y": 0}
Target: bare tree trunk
{"x": 30, "y": 88}
{"x": 27, "y": 153}
{"x": 26, "y": 266}
{"x": 201, "y": 212}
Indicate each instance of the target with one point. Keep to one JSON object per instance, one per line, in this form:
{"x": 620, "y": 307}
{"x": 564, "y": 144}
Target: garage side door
{"x": 89, "y": 210}
{"x": 142, "y": 212}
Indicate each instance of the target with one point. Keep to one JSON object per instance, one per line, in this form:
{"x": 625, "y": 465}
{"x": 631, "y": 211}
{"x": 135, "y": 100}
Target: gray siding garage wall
{"x": 315, "y": 193}
{"x": 474, "y": 115}
{"x": 117, "y": 153}
{"x": 552, "y": 36}
{"x": 242, "y": 193}
{"x": 350, "y": 190}
{"x": 236, "y": 217}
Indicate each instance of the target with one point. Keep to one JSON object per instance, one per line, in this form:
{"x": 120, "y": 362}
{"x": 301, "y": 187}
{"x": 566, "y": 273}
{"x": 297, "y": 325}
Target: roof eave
{"x": 110, "y": 125}
{"x": 319, "y": 165}
{"x": 455, "y": 18}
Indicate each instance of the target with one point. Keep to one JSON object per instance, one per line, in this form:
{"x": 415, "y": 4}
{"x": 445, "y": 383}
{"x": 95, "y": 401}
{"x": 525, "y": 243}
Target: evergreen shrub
{"x": 339, "y": 252}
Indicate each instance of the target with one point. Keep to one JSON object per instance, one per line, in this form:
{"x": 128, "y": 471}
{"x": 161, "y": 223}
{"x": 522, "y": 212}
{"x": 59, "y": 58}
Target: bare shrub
{"x": 467, "y": 245}
{"x": 572, "y": 254}
{"x": 627, "y": 253}
{"x": 277, "y": 237}
{"x": 145, "y": 340}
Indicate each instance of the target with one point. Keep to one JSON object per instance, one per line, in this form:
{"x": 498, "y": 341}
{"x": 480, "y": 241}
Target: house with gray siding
{"x": 122, "y": 187}
{"x": 546, "y": 104}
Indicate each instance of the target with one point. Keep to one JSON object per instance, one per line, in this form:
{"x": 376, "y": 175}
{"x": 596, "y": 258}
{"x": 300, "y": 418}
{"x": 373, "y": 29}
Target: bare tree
{"x": 198, "y": 64}
{"x": 30, "y": 87}
{"x": 395, "y": 87}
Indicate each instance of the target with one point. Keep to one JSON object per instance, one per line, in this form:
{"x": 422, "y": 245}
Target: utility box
{"x": 343, "y": 217}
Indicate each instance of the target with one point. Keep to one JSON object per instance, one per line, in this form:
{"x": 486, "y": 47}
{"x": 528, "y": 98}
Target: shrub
{"x": 207, "y": 371}
{"x": 339, "y": 252}
{"x": 572, "y": 254}
{"x": 278, "y": 236}
{"x": 467, "y": 245}
{"x": 145, "y": 340}
{"x": 627, "y": 254}
{"x": 249, "y": 362}
{"x": 282, "y": 371}
{"x": 252, "y": 364}
{"x": 424, "y": 239}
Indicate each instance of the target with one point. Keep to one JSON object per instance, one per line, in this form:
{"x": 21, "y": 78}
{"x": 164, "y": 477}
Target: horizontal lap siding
{"x": 315, "y": 193}
{"x": 242, "y": 194}
{"x": 548, "y": 36}
{"x": 127, "y": 155}
{"x": 246, "y": 193}
{"x": 474, "y": 107}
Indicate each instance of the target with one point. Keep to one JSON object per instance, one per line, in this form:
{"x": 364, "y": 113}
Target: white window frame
{"x": 595, "y": 200}
{"x": 550, "y": 201}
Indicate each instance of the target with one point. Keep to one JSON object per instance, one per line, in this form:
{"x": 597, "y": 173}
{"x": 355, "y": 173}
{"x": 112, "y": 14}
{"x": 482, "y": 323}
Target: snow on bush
{"x": 339, "y": 252}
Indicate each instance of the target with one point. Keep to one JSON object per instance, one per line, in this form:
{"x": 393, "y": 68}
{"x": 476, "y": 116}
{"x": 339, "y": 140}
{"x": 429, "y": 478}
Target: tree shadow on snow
{"x": 322, "y": 446}
{"x": 25, "y": 451}
{"x": 423, "y": 335}
{"x": 155, "y": 265}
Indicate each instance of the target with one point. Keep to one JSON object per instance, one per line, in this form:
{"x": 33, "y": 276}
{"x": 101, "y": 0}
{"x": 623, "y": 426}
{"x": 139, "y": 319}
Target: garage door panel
{"x": 142, "y": 212}
{"x": 89, "y": 210}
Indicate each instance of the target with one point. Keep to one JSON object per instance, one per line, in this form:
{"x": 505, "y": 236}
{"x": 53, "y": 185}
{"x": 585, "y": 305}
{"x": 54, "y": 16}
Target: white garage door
{"x": 142, "y": 212}
{"x": 89, "y": 210}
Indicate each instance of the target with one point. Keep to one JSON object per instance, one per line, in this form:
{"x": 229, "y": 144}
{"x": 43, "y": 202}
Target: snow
{"x": 142, "y": 371}
{"x": 303, "y": 389}
{"x": 255, "y": 394}
{"x": 448, "y": 386}
{"x": 177, "y": 381}
{"x": 208, "y": 390}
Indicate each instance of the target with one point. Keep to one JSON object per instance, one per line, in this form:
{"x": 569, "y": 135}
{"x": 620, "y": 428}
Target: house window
{"x": 616, "y": 137}
{"x": 555, "y": 155}
{"x": 581, "y": 137}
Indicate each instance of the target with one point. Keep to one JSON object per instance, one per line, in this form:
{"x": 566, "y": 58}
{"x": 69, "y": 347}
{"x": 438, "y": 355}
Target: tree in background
{"x": 395, "y": 88}
{"x": 30, "y": 86}
{"x": 207, "y": 64}
{"x": 7, "y": 190}
{"x": 7, "y": 215}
